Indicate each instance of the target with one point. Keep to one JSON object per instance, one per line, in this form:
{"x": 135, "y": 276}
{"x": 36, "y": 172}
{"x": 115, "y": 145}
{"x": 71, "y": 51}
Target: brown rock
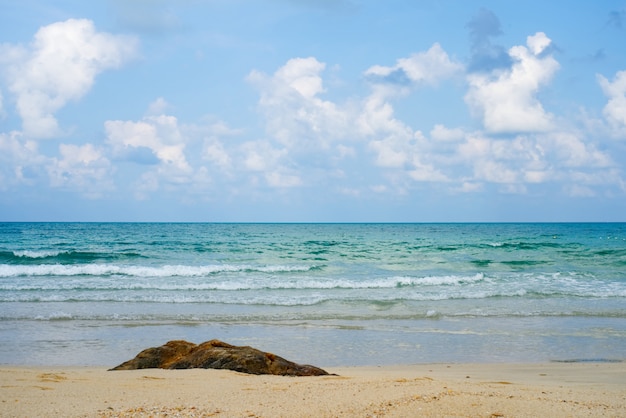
{"x": 216, "y": 354}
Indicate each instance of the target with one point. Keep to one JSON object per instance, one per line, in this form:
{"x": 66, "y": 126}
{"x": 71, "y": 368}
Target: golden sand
{"x": 429, "y": 390}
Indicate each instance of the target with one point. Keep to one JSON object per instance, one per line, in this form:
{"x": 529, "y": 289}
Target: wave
{"x": 38, "y": 254}
{"x": 9, "y": 270}
{"x": 213, "y": 296}
{"x": 144, "y": 279}
{"x": 507, "y": 246}
{"x": 52, "y": 256}
{"x": 296, "y": 294}
{"x": 437, "y": 280}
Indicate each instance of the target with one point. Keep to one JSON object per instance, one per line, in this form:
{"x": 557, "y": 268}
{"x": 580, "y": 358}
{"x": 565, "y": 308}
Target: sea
{"x": 96, "y": 294}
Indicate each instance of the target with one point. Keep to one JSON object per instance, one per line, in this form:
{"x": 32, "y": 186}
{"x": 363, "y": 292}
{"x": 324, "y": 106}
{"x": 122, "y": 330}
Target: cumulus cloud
{"x": 169, "y": 156}
{"x": 160, "y": 135}
{"x": 307, "y": 133}
{"x": 215, "y": 152}
{"x": 59, "y": 66}
{"x": 538, "y": 153}
{"x": 300, "y": 125}
{"x": 260, "y": 157}
{"x": 569, "y": 150}
{"x": 295, "y": 114}
{"x": 493, "y": 161}
{"x": 444, "y": 134}
{"x": 615, "y": 109}
{"x": 396, "y": 145}
{"x": 20, "y": 160}
{"x": 428, "y": 67}
{"x": 216, "y": 136}
{"x": 158, "y": 107}
{"x": 506, "y": 98}
{"x": 533, "y": 159}
{"x": 81, "y": 167}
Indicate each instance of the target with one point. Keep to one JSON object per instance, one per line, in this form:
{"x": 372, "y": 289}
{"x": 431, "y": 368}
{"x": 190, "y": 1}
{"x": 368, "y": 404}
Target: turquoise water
{"x": 329, "y": 294}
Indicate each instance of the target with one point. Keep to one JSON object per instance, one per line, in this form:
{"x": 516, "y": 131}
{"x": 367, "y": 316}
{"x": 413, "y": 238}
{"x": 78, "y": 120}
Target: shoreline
{"x": 439, "y": 389}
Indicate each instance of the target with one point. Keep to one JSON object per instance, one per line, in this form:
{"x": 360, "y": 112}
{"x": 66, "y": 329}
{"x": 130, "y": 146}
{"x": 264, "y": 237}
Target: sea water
{"x": 326, "y": 294}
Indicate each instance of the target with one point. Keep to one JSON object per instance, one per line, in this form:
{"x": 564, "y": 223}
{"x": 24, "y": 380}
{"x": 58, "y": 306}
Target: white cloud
{"x": 295, "y": 114}
{"x": 182, "y": 158}
{"x": 532, "y": 159}
{"x": 20, "y": 160}
{"x": 307, "y": 140}
{"x": 302, "y": 75}
{"x": 443, "y": 134}
{"x": 158, "y": 107}
{"x": 60, "y": 65}
{"x": 158, "y": 145}
{"x": 217, "y": 136}
{"x": 395, "y": 145}
{"x": 377, "y": 115}
{"x": 159, "y": 134}
{"x": 306, "y": 125}
{"x": 392, "y": 141}
{"x": 283, "y": 179}
{"x": 543, "y": 151}
{"x": 536, "y": 176}
{"x": 215, "y": 152}
{"x": 538, "y": 43}
{"x": 569, "y": 150}
{"x": 495, "y": 172}
{"x": 469, "y": 187}
{"x": 262, "y": 158}
{"x": 425, "y": 172}
{"x": 615, "y": 109}
{"x": 81, "y": 167}
{"x": 506, "y": 98}
{"x": 390, "y": 152}
{"x": 428, "y": 67}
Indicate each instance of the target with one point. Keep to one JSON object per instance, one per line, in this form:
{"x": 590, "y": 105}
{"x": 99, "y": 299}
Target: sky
{"x": 313, "y": 110}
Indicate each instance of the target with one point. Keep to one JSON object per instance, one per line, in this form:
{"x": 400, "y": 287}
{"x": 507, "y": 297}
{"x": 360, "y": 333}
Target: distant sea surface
{"x": 324, "y": 294}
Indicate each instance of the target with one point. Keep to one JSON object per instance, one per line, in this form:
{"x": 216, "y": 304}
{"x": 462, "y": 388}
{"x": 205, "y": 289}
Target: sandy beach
{"x": 437, "y": 390}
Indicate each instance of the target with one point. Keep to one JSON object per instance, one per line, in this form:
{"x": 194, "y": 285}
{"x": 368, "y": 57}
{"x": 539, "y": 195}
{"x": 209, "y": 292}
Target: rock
{"x": 216, "y": 354}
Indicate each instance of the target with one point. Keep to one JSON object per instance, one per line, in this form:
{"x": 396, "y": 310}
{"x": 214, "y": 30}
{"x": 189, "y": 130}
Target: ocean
{"x": 96, "y": 294}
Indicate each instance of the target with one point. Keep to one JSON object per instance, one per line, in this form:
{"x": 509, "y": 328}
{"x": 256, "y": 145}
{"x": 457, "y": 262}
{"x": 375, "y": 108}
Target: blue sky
{"x": 312, "y": 110}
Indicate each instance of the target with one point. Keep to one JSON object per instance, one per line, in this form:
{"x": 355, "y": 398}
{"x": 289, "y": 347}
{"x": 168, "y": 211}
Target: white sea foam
{"x": 439, "y": 280}
{"x": 54, "y": 316}
{"x": 10, "y": 270}
{"x": 83, "y": 281}
{"x": 38, "y": 254}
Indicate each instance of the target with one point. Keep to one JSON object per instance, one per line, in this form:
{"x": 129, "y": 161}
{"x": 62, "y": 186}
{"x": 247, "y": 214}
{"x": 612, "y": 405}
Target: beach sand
{"x": 437, "y": 390}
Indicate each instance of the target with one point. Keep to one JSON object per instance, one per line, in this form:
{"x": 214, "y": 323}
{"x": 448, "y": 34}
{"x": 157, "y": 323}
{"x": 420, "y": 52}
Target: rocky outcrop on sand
{"x": 216, "y": 354}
